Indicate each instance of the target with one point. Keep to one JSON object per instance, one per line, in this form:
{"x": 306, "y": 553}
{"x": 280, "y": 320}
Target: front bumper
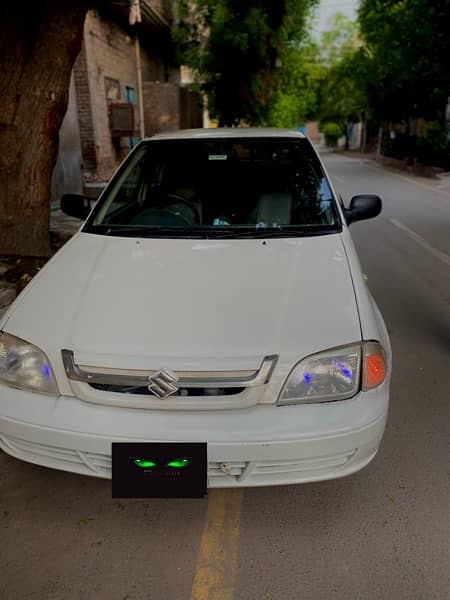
{"x": 261, "y": 445}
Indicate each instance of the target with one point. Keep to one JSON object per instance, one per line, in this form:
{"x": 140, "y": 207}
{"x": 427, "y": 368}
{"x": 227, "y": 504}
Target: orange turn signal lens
{"x": 374, "y": 365}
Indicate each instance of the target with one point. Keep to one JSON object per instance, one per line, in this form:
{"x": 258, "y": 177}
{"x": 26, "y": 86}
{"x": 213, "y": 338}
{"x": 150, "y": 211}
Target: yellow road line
{"x": 217, "y": 558}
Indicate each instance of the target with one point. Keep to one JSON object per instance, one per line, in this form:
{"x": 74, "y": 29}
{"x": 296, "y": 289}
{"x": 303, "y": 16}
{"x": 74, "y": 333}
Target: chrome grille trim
{"x": 193, "y": 379}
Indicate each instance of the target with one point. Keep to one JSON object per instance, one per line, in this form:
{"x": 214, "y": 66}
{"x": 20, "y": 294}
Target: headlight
{"x": 24, "y": 366}
{"x": 335, "y": 374}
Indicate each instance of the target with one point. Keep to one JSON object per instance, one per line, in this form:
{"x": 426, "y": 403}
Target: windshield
{"x": 218, "y": 188}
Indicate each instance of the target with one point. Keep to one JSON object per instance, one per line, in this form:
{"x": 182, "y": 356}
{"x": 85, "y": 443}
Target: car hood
{"x": 190, "y": 304}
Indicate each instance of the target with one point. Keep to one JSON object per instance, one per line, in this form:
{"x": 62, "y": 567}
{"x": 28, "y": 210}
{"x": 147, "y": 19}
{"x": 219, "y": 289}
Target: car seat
{"x": 274, "y": 208}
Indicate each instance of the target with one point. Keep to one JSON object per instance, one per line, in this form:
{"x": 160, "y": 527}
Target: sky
{"x": 327, "y": 8}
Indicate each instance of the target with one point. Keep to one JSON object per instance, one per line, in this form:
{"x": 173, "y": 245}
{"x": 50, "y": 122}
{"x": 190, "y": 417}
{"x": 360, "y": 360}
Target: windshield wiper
{"x": 149, "y": 231}
{"x": 209, "y": 232}
{"x": 282, "y": 232}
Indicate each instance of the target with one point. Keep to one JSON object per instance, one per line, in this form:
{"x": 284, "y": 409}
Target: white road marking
{"x": 445, "y": 258}
{"x": 338, "y": 179}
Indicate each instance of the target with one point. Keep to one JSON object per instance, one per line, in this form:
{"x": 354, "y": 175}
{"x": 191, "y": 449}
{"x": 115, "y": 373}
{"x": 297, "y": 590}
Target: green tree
{"x": 240, "y": 51}
{"x": 408, "y": 47}
{"x": 339, "y": 40}
{"x": 342, "y": 99}
{"x": 342, "y": 96}
{"x": 296, "y": 99}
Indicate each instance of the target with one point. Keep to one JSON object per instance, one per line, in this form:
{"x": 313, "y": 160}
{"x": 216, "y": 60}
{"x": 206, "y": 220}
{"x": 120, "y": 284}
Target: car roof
{"x": 228, "y": 132}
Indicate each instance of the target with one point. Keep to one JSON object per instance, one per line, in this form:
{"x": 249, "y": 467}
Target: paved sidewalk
{"x": 61, "y": 223}
{"x": 439, "y": 182}
{"x": 444, "y": 182}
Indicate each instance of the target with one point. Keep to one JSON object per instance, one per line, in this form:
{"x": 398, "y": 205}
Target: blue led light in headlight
{"x": 307, "y": 377}
{"x": 343, "y": 369}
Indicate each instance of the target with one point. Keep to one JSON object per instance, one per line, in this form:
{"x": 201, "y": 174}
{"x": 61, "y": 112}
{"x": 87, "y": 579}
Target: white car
{"x": 213, "y": 296}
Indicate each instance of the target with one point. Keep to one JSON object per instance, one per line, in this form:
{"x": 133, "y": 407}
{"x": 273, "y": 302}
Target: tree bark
{"x": 347, "y": 136}
{"x": 39, "y": 42}
{"x": 363, "y": 143}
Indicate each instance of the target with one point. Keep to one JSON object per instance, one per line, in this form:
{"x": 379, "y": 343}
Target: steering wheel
{"x": 180, "y": 200}
{"x": 161, "y": 217}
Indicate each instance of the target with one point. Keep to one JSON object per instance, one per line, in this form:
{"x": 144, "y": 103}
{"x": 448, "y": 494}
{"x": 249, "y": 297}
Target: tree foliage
{"x": 296, "y": 99}
{"x": 241, "y": 52}
{"x": 339, "y": 40}
{"x": 408, "y": 48}
{"x": 342, "y": 99}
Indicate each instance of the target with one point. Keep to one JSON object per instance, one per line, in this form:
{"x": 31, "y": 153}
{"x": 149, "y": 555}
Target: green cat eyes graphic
{"x": 144, "y": 464}
{"x": 178, "y": 463}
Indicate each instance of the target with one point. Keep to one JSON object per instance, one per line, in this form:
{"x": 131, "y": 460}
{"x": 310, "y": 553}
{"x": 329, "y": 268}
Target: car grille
{"x": 172, "y": 390}
{"x": 183, "y": 392}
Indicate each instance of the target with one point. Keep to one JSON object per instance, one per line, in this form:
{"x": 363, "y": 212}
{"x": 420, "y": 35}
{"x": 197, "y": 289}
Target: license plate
{"x": 159, "y": 470}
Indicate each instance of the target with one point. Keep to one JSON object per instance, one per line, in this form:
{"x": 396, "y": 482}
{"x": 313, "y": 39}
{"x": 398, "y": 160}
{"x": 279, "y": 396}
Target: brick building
{"x": 121, "y": 89}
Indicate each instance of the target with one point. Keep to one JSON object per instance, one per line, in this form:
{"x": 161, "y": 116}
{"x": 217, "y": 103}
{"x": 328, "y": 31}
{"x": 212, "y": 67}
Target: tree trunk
{"x": 363, "y": 144}
{"x": 380, "y": 139}
{"x": 347, "y": 136}
{"x": 39, "y": 42}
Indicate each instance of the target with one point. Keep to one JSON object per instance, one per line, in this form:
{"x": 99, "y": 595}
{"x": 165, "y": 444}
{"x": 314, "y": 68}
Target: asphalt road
{"x": 383, "y": 533}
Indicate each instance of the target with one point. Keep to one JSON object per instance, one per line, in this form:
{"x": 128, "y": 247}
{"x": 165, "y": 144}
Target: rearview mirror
{"x": 76, "y": 206}
{"x": 363, "y": 207}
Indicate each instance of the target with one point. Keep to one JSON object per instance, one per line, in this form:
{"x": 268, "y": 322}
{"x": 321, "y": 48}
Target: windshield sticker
{"x": 217, "y": 157}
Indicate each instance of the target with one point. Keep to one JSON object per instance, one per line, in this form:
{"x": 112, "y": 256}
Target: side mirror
{"x": 363, "y": 207}
{"x": 76, "y": 206}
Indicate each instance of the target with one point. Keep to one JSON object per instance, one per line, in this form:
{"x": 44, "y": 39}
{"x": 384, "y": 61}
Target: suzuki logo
{"x": 163, "y": 383}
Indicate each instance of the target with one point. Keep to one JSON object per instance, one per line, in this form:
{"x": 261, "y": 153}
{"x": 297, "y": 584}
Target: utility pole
{"x": 135, "y": 18}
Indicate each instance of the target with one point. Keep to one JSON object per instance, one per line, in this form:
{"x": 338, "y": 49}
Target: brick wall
{"x": 161, "y": 107}
{"x": 83, "y": 101}
{"x": 313, "y": 133}
{"x": 191, "y": 109}
{"x": 168, "y": 107}
{"x": 109, "y": 54}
